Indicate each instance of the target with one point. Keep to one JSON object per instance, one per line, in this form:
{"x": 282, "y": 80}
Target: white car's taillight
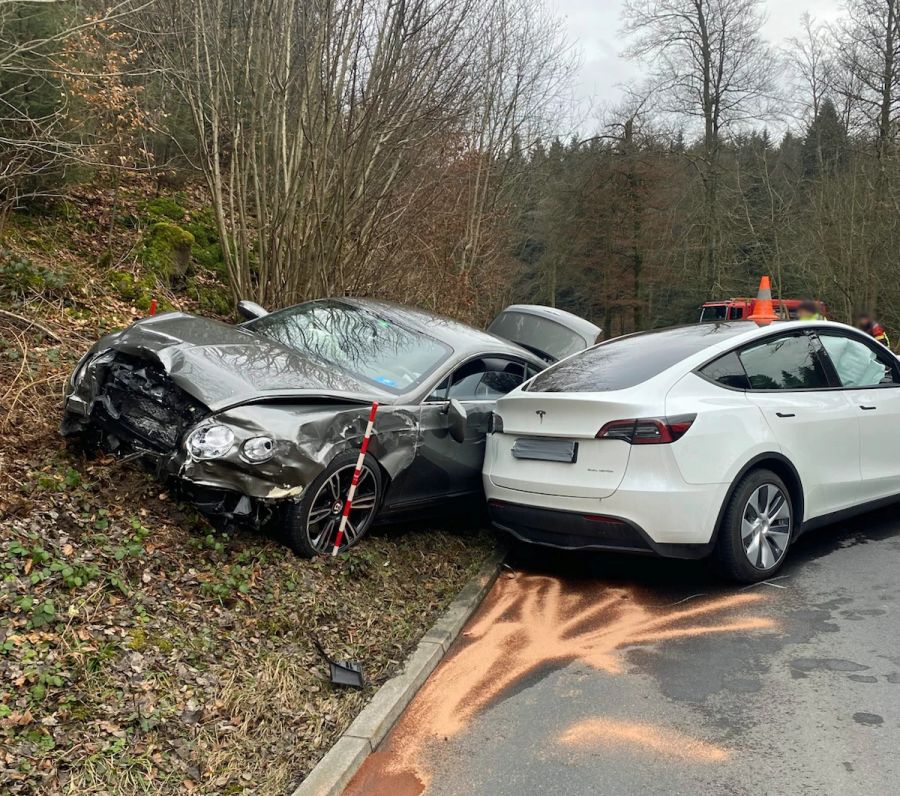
{"x": 647, "y": 430}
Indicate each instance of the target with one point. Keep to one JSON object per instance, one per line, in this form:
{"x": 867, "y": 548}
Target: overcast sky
{"x": 593, "y": 27}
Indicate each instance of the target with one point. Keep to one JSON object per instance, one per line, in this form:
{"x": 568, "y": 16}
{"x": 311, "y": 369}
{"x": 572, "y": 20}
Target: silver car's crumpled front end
{"x": 134, "y": 401}
{"x": 142, "y": 392}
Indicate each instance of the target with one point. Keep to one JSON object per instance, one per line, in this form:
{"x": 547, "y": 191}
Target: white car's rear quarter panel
{"x": 728, "y": 431}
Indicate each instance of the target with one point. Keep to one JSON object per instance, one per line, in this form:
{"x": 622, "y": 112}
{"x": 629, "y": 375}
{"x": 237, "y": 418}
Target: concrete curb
{"x": 336, "y": 769}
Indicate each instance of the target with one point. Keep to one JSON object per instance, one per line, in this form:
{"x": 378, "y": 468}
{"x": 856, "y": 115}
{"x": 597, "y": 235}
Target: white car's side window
{"x": 784, "y": 363}
{"x": 856, "y": 364}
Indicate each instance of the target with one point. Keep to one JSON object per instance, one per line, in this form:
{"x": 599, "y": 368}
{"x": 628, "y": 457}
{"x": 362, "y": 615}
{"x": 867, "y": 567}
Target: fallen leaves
{"x": 111, "y": 729}
{"x": 17, "y": 719}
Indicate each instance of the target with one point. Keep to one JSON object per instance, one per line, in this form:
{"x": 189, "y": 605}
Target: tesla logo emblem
{"x": 540, "y": 413}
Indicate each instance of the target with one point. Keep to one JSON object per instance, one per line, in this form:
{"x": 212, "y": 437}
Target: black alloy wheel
{"x": 311, "y": 524}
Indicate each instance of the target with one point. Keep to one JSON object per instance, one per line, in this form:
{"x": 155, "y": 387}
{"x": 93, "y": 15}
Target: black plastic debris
{"x": 347, "y": 673}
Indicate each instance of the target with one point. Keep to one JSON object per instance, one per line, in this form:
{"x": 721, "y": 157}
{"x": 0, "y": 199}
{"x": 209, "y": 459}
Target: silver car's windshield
{"x": 367, "y": 345}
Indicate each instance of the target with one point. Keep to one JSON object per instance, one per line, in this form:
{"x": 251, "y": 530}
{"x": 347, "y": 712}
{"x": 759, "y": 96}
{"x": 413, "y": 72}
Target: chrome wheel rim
{"x": 327, "y": 505}
{"x": 766, "y": 526}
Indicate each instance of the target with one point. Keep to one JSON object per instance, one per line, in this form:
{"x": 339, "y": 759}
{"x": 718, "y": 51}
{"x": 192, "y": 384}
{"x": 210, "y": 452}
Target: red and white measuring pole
{"x": 352, "y": 491}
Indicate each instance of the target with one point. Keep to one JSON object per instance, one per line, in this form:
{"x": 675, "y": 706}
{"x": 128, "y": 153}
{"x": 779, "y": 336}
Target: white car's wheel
{"x": 756, "y": 529}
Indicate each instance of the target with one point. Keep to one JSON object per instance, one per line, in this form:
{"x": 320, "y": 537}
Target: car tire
{"x": 757, "y": 528}
{"x": 309, "y": 530}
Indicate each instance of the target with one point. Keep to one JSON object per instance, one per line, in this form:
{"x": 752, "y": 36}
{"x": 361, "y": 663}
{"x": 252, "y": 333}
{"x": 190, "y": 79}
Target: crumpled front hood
{"x": 223, "y": 365}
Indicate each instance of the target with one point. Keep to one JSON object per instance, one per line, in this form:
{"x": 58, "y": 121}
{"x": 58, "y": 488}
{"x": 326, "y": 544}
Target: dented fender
{"x": 306, "y": 439}
{"x": 309, "y": 425}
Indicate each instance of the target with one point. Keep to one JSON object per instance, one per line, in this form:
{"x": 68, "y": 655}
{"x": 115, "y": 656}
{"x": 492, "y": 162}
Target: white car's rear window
{"x": 628, "y": 361}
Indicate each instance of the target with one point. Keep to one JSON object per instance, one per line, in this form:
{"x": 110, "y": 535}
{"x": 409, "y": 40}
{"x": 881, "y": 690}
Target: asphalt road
{"x": 588, "y": 674}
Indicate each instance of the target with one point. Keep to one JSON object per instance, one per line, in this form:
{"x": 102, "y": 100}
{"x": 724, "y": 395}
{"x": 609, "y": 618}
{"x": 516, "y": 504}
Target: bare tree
{"x": 519, "y": 68}
{"x": 868, "y": 56}
{"x": 812, "y": 57}
{"x": 713, "y": 67}
{"x": 304, "y": 112}
{"x": 36, "y": 133}
{"x": 321, "y": 122}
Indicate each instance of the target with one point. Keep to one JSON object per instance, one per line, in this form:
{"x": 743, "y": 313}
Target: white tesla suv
{"x": 727, "y": 439}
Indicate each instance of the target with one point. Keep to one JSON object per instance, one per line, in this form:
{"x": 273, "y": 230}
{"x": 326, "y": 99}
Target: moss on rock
{"x": 207, "y": 249}
{"x": 167, "y": 251}
{"x": 138, "y": 291}
{"x": 212, "y": 297}
{"x": 165, "y": 208}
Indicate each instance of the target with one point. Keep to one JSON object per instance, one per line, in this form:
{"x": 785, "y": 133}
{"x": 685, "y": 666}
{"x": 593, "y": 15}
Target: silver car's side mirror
{"x": 251, "y": 310}
{"x": 456, "y": 420}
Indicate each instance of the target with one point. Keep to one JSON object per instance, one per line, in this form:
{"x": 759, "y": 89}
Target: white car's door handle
{"x": 867, "y": 408}
{"x": 785, "y": 414}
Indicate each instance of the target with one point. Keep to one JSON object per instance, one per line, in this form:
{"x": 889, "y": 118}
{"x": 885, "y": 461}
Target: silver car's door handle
{"x": 785, "y": 414}
{"x": 867, "y": 408}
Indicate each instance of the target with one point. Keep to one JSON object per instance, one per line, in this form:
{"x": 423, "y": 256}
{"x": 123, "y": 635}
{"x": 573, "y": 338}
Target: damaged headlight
{"x": 210, "y": 442}
{"x": 258, "y": 449}
{"x": 81, "y": 367}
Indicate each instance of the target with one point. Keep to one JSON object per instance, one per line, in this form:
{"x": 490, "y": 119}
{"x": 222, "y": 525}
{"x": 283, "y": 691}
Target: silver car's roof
{"x": 465, "y": 340}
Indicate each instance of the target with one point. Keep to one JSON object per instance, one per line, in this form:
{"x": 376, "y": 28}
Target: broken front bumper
{"x": 131, "y": 408}
{"x": 225, "y": 503}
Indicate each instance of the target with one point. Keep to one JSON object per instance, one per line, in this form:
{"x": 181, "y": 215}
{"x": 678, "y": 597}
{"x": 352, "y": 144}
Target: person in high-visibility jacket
{"x": 866, "y": 323}
{"x": 809, "y": 310}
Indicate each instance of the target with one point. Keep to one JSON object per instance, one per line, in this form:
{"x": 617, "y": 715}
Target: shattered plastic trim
{"x": 278, "y": 493}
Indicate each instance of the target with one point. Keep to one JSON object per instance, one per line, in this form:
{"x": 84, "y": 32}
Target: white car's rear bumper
{"x": 653, "y": 510}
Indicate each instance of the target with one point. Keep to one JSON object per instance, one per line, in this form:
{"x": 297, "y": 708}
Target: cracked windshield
{"x": 366, "y": 345}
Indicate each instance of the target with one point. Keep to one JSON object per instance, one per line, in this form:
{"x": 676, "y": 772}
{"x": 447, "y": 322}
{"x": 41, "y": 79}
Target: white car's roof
{"x": 749, "y": 331}
{"x": 681, "y": 349}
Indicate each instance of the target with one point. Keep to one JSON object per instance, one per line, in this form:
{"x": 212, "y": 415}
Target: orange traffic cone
{"x": 763, "y": 309}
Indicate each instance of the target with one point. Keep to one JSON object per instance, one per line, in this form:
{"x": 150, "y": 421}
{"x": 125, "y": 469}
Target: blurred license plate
{"x": 547, "y": 450}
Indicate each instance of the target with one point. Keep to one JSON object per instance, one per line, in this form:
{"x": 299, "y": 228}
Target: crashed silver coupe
{"x": 261, "y": 422}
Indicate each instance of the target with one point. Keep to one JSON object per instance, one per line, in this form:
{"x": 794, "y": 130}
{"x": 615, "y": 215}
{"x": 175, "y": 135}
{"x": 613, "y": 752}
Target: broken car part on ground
{"x": 261, "y": 422}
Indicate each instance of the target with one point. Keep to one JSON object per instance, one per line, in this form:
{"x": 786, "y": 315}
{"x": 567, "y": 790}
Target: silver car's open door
{"x": 546, "y": 331}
